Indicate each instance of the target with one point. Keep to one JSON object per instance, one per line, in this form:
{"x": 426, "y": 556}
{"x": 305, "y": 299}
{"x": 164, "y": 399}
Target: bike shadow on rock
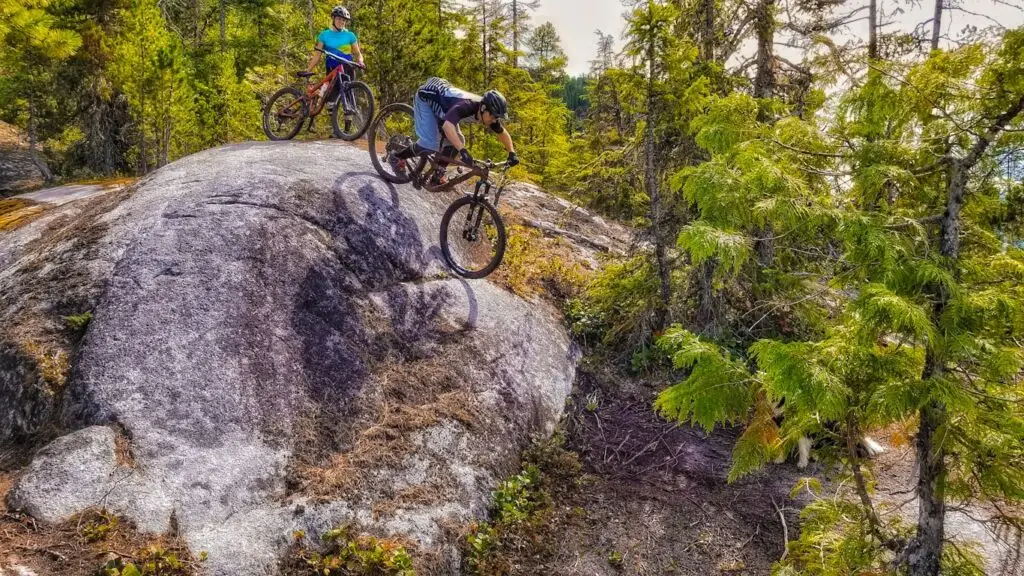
{"x": 364, "y": 301}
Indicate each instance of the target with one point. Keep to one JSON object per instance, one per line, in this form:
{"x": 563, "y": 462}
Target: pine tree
{"x": 917, "y": 320}
{"x": 546, "y": 59}
{"x": 33, "y": 47}
{"x": 656, "y": 48}
{"x": 150, "y": 69}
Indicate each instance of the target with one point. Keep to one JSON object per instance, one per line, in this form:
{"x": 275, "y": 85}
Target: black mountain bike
{"x": 472, "y": 231}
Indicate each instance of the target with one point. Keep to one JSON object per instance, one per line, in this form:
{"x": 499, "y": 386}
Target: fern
{"x": 881, "y": 312}
{"x": 704, "y": 242}
{"x": 718, "y": 390}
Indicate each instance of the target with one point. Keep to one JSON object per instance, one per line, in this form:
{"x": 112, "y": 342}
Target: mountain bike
{"x": 288, "y": 109}
{"x": 472, "y": 231}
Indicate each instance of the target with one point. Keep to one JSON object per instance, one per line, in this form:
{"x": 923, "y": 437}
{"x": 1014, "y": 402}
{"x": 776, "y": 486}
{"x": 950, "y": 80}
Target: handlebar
{"x": 493, "y": 165}
{"x": 350, "y": 62}
{"x": 482, "y": 167}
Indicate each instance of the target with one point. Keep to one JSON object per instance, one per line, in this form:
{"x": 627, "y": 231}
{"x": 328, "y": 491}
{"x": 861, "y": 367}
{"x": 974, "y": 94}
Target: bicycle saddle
{"x": 303, "y": 74}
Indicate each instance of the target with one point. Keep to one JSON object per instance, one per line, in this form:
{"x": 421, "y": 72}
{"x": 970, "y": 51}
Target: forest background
{"x": 828, "y": 208}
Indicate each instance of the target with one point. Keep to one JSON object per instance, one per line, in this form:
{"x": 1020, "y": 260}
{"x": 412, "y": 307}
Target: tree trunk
{"x": 620, "y": 121}
{"x": 873, "y": 30}
{"x": 223, "y": 22}
{"x": 197, "y": 16}
{"x": 764, "y": 88}
{"x": 487, "y": 67}
{"x": 707, "y": 303}
{"x": 707, "y": 32}
{"x": 764, "y": 246}
{"x": 310, "y": 9}
{"x": 937, "y": 24}
{"x": 38, "y": 160}
{"x": 143, "y": 151}
{"x": 515, "y": 33}
{"x": 950, "y": 236}
{"x": 925, "y": 554}
{"x": 165, "y": 145}
{"x": 764, "y": 17}
{"x": 651, "y": 181}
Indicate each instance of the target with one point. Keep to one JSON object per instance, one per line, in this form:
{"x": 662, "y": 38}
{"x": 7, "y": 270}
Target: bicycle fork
{"x": 471, "y": 230}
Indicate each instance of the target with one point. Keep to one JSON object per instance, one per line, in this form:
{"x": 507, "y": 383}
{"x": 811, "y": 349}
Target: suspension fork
{"x": 477, "y": 214}
{"x": 345, "y": 93}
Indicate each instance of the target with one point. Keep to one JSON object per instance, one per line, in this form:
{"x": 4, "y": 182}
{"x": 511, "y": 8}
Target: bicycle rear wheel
{"x": 393, "y": 131}
{"x": 353, "y": 112}
{"x": 285, "y": 113}
{"x": 472, "y": 237}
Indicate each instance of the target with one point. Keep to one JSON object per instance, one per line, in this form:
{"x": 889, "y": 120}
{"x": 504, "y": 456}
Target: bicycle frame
{"x": 338, "y": 75}
{"x": 482, "y": 171}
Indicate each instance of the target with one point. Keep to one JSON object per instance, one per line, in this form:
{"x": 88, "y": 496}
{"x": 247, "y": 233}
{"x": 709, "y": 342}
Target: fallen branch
{"x": 785, "y": 530}
{"x": 555, "y": 231}
{"x": 752, "y": 536}
{"x": 46, "y": 551}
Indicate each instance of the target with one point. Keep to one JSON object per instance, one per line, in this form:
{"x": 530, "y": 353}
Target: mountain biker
{"x": 438, "y": 108}
{"x": 340, "y": 44}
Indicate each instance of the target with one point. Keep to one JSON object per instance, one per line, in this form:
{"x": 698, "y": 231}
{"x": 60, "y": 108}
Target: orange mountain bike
{"x": 288, "y": 109}
{"x": 472, "y": 231}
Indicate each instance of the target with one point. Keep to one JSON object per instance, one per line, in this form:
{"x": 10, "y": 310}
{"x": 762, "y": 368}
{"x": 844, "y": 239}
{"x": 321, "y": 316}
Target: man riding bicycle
{"x": 339, "y": 44}
{"x": 438, "y": 108}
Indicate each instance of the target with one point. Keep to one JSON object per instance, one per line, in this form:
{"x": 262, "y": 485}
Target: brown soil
{"x": 80, "y": 546}
{"x": 654, "y": 500}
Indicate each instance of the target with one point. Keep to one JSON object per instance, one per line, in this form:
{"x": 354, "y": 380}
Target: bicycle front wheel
{"x": 284, "y": 114}
{"x": 353, "y": 112}
{"x": 472, "y": 237}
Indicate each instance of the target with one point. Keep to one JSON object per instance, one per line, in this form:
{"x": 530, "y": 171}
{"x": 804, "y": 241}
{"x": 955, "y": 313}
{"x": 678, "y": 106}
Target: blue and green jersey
{"x": 338, "y": 45}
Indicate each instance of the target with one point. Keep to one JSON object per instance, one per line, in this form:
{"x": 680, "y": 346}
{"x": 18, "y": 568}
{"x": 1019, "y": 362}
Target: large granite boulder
{"x": 275, "y": 345}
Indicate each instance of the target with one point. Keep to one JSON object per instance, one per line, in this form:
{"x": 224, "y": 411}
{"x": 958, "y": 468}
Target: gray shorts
{"x": 428, "y": 127}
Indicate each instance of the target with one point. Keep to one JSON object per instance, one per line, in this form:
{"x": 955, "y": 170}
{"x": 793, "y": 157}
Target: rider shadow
{"x": 378, "y": 248}
{"x": 375, "y": 270}
{"x": 382, "y": 243}
{"x": 386, "y": 224}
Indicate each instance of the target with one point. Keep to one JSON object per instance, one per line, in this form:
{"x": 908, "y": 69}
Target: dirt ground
{"x": 653, "y": 498}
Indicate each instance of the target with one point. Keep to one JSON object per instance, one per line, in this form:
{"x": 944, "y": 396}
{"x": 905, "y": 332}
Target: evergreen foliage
{"x": 126, "y": 86}
{"x": 824, "y": 248}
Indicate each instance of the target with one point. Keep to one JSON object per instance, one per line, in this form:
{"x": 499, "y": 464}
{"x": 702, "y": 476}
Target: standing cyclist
{"x": 438, "y": 108}
{"x": 340, "y": 44}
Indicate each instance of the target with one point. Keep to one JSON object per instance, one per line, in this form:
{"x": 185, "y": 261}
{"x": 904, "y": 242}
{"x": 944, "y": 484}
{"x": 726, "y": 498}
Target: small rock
{"x": 70, "y": 475}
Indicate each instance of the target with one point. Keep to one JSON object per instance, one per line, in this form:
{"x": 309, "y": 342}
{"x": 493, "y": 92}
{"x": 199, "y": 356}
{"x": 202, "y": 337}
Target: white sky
{"x": 576, "y": 21}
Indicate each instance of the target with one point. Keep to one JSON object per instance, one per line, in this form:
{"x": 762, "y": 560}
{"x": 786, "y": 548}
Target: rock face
{"x": 275, "y": 346}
